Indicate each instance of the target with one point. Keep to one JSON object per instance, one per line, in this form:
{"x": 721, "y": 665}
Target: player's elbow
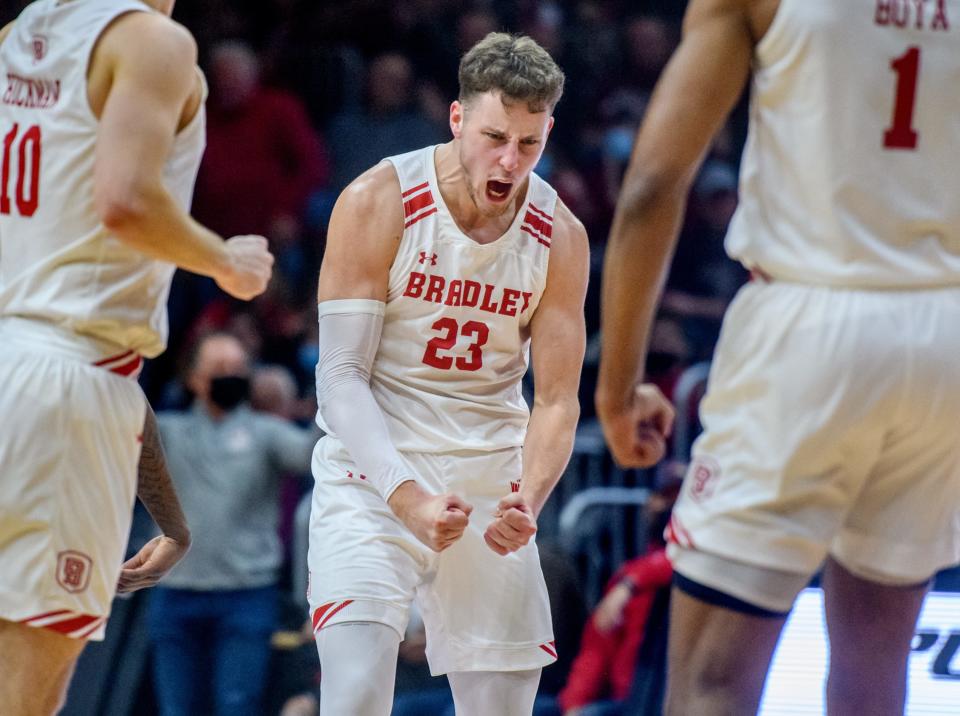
{"x": 566, "y": 406}
{"x": 121, "y": 209}
{"x": 647, "y": 187}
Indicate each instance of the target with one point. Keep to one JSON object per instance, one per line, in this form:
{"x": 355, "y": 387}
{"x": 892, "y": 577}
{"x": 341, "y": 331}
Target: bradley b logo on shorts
{"x": 702, "y": 478}
{"x": 73, "y": 571}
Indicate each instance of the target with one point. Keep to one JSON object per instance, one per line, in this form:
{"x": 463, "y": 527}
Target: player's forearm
{"x": 154, "y": 486}
{"x": 150, "y": 220}
{"x": 547, "y": 448}
{"x": 642, "y": 240}
{"x": 348, "y": 334}
{"x": 352, "y": 413}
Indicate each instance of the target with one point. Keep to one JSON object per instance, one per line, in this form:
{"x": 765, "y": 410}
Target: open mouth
{"x": 498, "y": 191}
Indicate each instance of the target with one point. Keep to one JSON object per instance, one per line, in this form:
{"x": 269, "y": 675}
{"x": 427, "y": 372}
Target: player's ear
{"x": 456, "y": 118}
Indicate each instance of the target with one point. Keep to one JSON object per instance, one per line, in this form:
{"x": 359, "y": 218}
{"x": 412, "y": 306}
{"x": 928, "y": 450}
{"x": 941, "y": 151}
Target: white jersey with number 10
{"x": 58, "y": 264}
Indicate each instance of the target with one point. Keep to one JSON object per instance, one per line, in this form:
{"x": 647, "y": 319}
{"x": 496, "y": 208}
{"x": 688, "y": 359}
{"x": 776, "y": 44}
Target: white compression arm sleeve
{"x": 349, "y": 334}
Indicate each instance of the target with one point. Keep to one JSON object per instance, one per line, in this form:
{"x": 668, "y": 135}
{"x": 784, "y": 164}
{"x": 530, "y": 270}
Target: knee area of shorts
{"x": 745, "y": 588}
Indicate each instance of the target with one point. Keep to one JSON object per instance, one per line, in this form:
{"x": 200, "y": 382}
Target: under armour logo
{"x": 424, "y": 259}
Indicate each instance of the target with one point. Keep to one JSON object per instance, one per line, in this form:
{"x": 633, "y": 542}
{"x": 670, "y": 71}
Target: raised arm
{"x": 699, "y": 87}
{"x": 558, "y": 341}
{"x": 144, "y": 86}
{"x": 365, "y": 230}
{"x": 156, "y": 491}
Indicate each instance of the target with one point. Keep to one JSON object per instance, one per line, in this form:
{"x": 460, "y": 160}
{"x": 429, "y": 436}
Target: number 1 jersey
{"x": 58, "y": 264}
{"x": 455, "y": 342}
{"x": 850, "y": 174}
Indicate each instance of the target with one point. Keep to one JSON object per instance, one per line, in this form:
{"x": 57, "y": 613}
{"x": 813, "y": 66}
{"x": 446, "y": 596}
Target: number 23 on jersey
{"x": 449, "y": 329}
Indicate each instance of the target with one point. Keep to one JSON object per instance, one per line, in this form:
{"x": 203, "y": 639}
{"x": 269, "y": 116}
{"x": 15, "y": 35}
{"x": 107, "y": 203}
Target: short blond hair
{"x": 514, "y": 65}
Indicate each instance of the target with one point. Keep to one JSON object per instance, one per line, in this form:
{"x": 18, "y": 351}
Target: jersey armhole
{"x": 767, "y": 44}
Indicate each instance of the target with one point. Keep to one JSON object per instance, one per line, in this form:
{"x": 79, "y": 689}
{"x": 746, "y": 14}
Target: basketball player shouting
{"x": 443, "y": 268}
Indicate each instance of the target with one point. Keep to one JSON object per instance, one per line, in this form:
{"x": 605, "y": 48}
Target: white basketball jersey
{"x": 455, "y": 341}
{"x": 58, "y": 264}
{"x": 850, "y": 174}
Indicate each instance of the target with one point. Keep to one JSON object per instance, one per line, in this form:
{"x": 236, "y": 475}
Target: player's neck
{"x": 454, "y": 186}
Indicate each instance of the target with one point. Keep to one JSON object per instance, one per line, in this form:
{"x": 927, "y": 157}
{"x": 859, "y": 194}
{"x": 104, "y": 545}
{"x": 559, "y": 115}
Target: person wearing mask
{"x": 211, "y": 619}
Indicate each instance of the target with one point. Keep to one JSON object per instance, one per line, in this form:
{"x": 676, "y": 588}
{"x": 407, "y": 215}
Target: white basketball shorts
{"x": 68, "y": 472}
{"x": 831, "y": 426}
{"x": 482, "y": 612}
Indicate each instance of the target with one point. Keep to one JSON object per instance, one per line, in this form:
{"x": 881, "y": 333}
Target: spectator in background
{"x": 211, "y": 619}
{"x": 603, "y": 672}
{"x": 648, "y": 42}
{"x": 390, "y": 124}
{"x": 263, "y": 158}
{"x": 273, "y": 390}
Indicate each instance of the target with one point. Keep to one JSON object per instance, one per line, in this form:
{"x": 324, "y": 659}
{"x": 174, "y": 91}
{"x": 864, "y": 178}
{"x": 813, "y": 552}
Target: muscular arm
{"x": 154, "y": 486}
{"x": 143, "y": 73}
{"x": 558, "y": 341}
{"x": 365, "y": 231}
{"x": 156, "y": 492}
{"x": 363, "y": 237}
{"x": 698, "y": 89}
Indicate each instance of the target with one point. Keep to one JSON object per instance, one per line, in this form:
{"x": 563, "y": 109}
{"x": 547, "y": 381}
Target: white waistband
{"x": 51, "y": 339}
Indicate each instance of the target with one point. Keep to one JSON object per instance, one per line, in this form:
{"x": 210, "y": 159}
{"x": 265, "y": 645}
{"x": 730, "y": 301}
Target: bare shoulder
{"x": 569, "y": 265}
{"x": 756, "y": 15}
{"x": 149, "y": 36}
{"x": 363, "y": 237}
{"x": 150, "y": 52}
{"x": 373, "y": 201}
{"x": 569, "y": 234}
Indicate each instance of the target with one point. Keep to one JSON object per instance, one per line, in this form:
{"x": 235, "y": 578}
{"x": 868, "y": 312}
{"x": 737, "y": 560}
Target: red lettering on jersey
{"x": 897, "y": 13}
{"x": 508, "y": 306}
{"x": 884, "y": 13}
{"x": 526, "y": 301}
{"x": 435, "y": 289}
{"x": 918, "y": 4}
{"x": 454, "y": 291}
{"x": 415, "y": 284}
{"x": 940, "y": 21}
{"x": 31, "y": 93}
{"x": 486, "y": 305}
{"x": 471, "y": 293}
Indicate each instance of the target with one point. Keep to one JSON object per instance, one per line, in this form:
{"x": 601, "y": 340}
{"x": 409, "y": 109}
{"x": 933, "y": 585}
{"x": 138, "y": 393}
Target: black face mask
{"x": 228, "y": 391}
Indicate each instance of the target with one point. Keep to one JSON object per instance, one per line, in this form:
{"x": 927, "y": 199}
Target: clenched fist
{"x": 637, "y": 431}
{"x": 513, "y": 525}
{"x": 436, "y": 520}
{"x": 248, "y": 269}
